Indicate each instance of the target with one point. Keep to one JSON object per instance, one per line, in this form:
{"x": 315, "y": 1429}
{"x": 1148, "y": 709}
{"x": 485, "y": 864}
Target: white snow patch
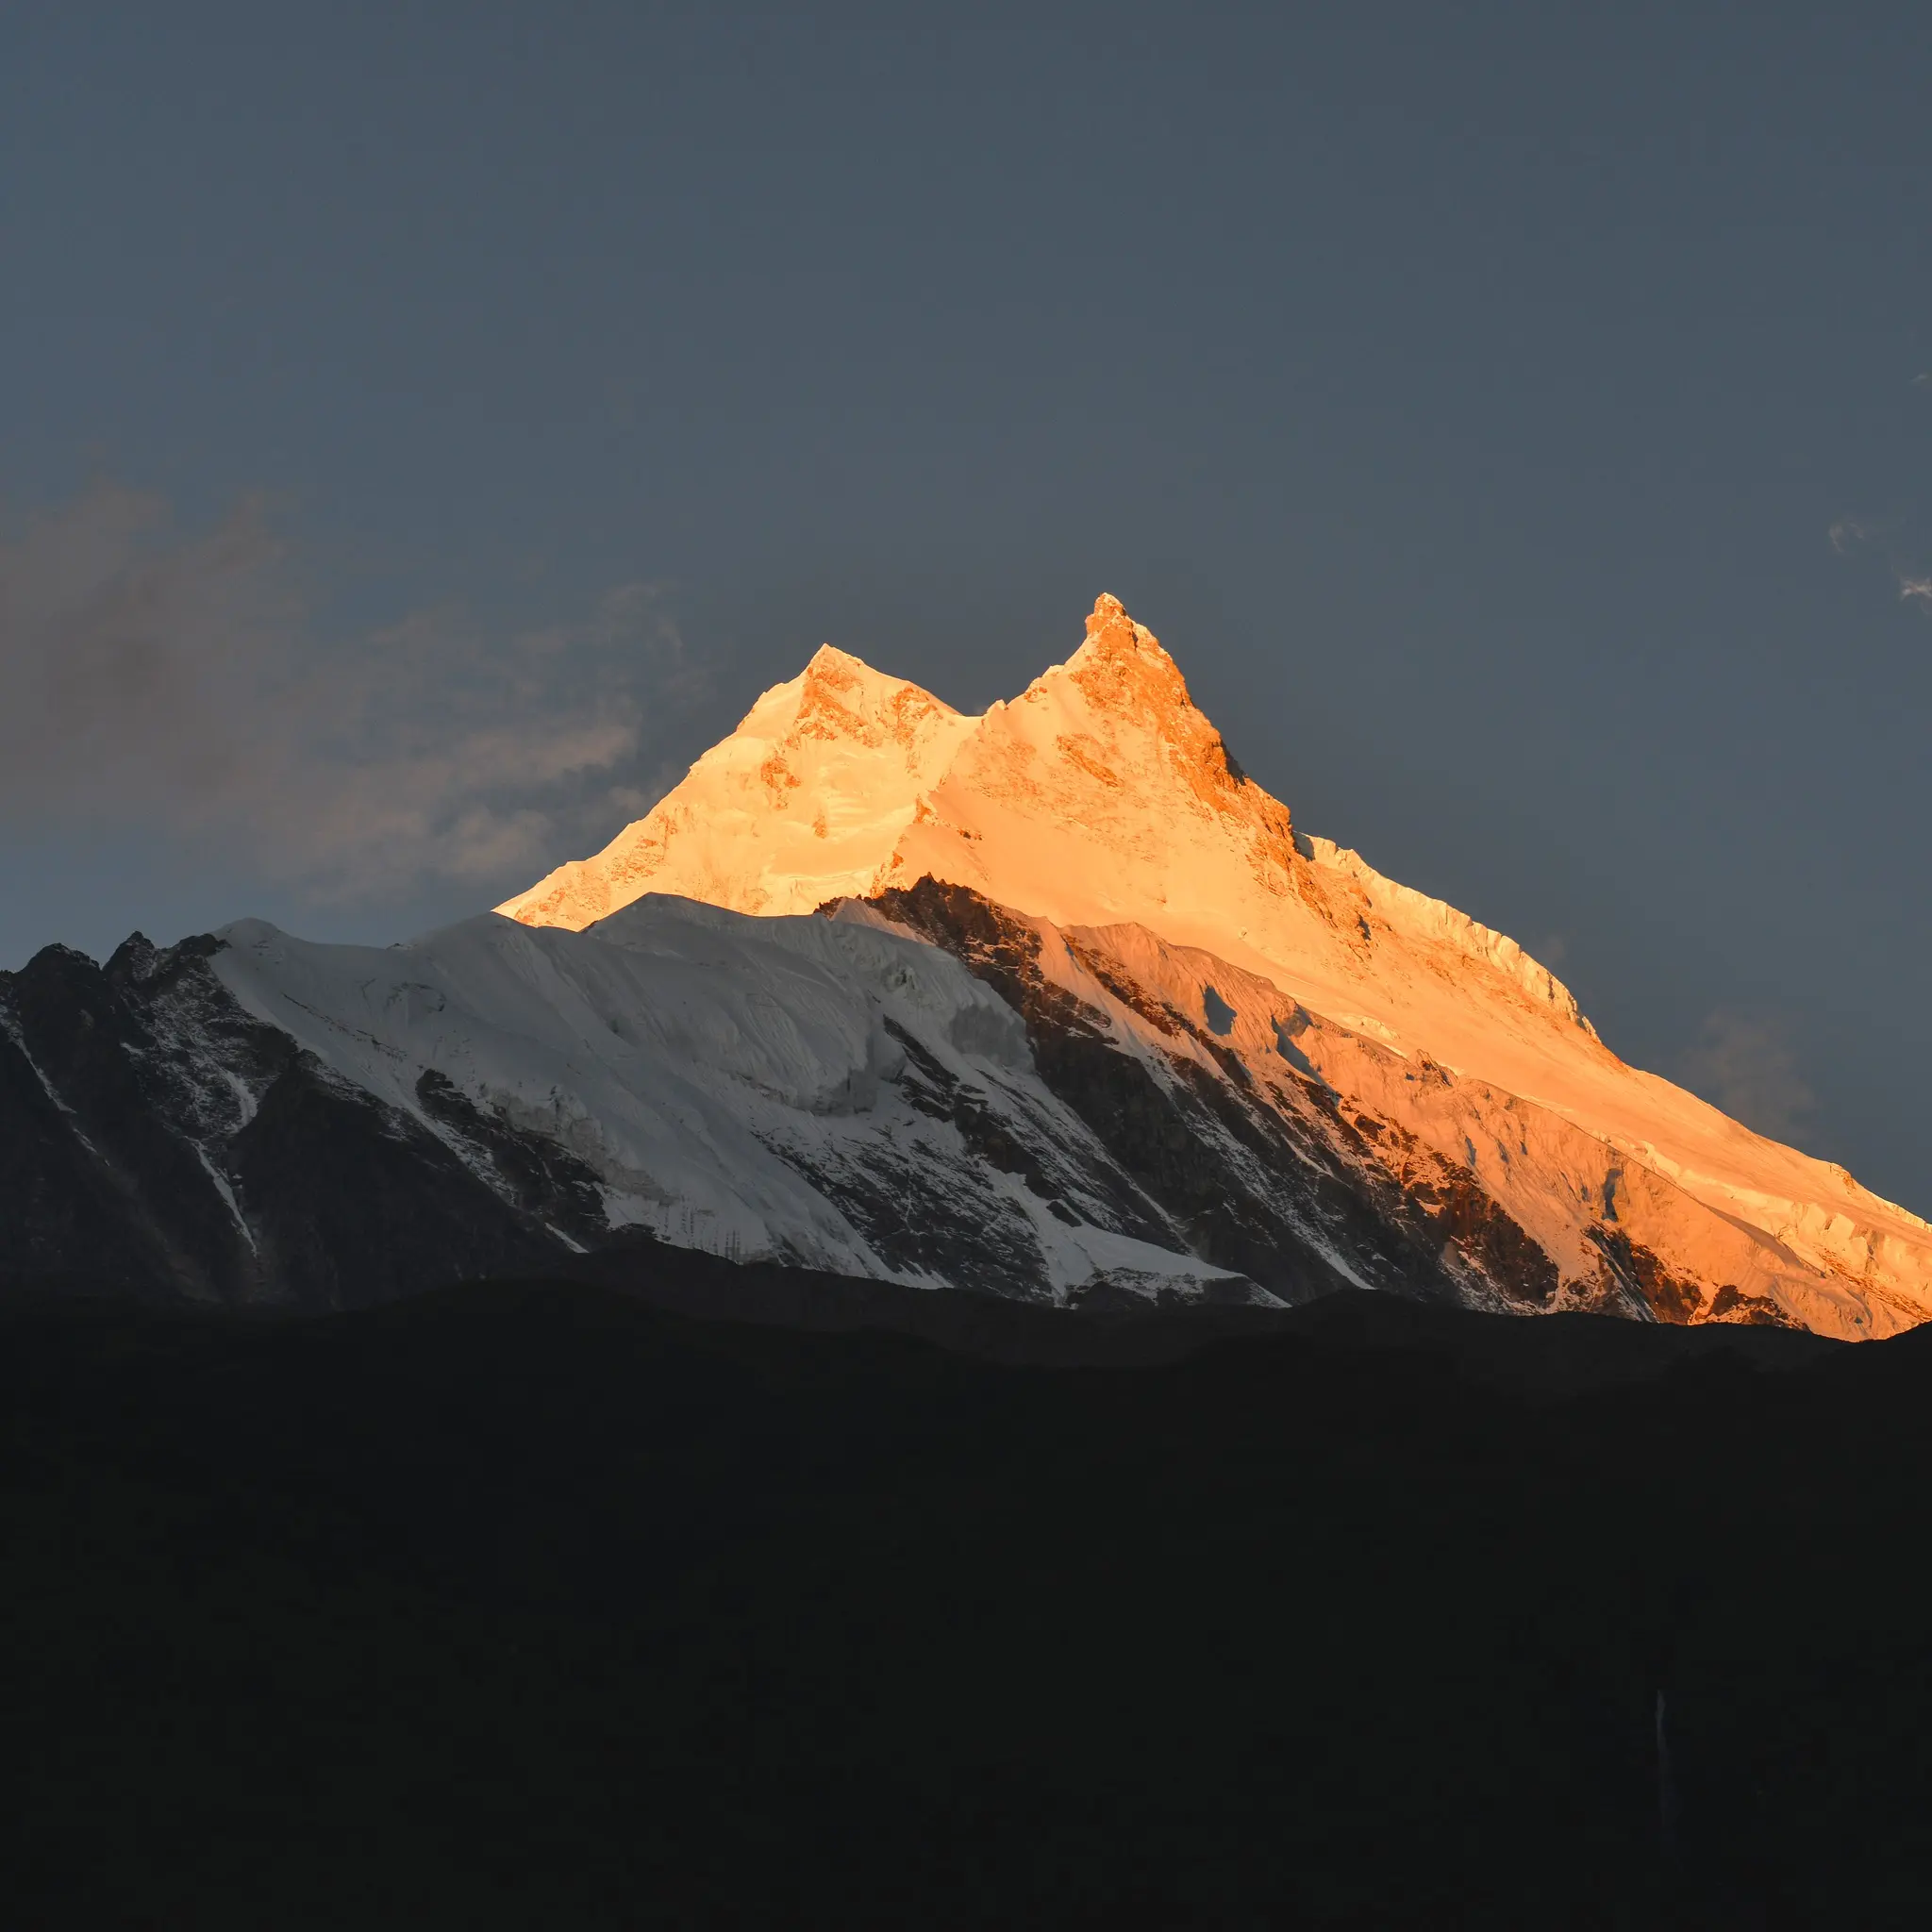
{"x": 228, "y": 1194}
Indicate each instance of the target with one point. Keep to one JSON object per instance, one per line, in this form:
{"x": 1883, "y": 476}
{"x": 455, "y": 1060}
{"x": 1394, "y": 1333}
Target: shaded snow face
{"x": 820, "y": 1091}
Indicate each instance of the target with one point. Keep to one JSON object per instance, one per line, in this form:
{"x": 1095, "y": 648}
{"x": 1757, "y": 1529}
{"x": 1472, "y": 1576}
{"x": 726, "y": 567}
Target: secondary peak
{"x": 829, "y": 659}
{"x": 836, "y": 677}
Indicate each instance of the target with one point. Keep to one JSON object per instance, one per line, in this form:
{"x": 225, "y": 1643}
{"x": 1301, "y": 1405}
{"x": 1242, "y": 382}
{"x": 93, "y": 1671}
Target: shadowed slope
{"x": 529, "y": 1601}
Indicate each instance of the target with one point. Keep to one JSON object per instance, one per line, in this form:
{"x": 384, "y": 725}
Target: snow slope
{"x": 761, "y": 1089}
{"x": 1101, "y": 797}
{"x": 923, "y": 1086}
{"x": 1566, "y": 1188}
{"x": 793, "y": 809}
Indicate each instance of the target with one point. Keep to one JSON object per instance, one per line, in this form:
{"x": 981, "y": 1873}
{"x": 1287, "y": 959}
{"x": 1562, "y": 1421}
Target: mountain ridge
{"x": 922, "y": 1087}
{"x": 1101, "y": 795}
{"x": 1074, "y": 1014}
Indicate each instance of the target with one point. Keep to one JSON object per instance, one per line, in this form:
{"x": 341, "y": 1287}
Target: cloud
{"x": 175, "y": 682}
{"x": 1744, "y": 1063}
{"x": 1854, "y": 536}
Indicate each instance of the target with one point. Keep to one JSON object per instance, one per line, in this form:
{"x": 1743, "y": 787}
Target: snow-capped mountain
{"x": 1101, "y": 797}
{"x": 251, "y": 1117}
{"x": 1053, "y": 1003}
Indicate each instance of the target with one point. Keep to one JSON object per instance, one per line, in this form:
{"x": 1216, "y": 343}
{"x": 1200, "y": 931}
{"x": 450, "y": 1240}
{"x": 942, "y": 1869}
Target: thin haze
{"x": 428, "y": 426}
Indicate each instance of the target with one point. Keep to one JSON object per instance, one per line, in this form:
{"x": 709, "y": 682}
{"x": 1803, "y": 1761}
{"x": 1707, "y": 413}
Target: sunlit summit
{"x": 1100, "y": 801}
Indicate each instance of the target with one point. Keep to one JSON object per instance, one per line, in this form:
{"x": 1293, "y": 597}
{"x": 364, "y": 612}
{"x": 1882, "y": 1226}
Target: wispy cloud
{"x": 1848, "y": 536}
{"x": 171, "y": 680}
{"x": 1896, "y": 538}
{"x": 1887, "y": 537}
{"x": 1743, "y": 1063}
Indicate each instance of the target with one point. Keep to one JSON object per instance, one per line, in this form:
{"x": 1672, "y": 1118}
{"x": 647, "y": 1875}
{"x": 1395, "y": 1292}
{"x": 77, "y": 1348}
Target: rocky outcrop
{"x": 1272, "y": 1178}
{"x": 156, "y": 1138}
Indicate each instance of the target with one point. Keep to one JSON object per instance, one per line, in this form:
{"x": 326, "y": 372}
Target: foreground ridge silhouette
{"x": 538, "y": 1599}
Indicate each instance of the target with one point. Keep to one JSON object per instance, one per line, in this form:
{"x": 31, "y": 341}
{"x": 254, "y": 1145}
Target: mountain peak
{"x": 1129, "y": 684}
{"x": 1113, "y": 636}
{"x": 799, "y": 805}
{"x": 829, "y": 661}
{"x": 1101, "y": 798}
{"x": 1121, "y": 666}
{"x": 835, "y": 676}
{"x": 841, "y": 696}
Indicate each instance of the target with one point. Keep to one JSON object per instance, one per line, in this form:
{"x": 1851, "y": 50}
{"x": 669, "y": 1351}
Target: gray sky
{"x": 426, "y": 427}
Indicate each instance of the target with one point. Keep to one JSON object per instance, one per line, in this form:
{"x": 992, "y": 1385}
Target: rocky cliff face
{"x": 154, "y": 1136}
{"x": 1405, "y": 1173}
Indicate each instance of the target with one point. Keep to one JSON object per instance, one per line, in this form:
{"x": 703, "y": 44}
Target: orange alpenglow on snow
{"x": 1102, "y": 799}
{"x": 798, "y": 806}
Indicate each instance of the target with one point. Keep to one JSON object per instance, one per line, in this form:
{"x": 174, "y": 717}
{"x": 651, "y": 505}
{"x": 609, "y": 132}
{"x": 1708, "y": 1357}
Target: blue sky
{"x": 428, "y": 426}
